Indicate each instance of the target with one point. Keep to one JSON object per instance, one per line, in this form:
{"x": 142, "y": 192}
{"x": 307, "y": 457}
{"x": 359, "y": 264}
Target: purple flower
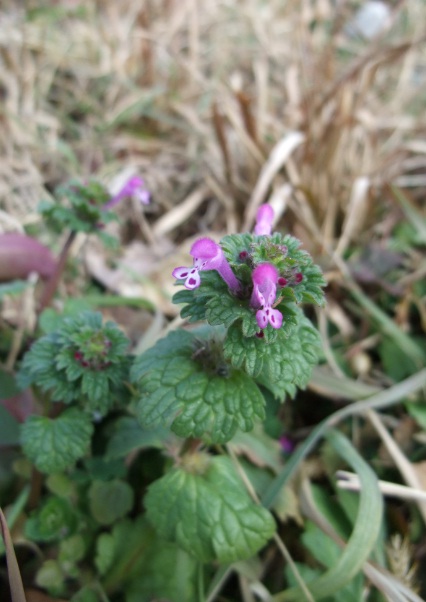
{"x": 133, "y": 187}
{"x": 207, "y": 255}
{"x": 264, "y": 218}
{"x": 265, "y": 278}
{"x": 287, "y": 444}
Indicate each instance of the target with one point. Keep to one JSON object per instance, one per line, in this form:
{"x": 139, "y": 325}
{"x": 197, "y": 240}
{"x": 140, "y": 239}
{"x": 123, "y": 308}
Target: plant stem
{"x": 52, "y": 283}
{"x": 191, "y": 445}
{"x": 35, "y": 491}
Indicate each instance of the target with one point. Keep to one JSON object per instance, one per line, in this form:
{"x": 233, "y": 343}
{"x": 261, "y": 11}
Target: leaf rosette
{"x": 82, "y": 360}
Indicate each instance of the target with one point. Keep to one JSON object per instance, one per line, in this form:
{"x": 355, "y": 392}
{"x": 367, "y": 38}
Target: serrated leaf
{"x": 281, "y": 365}
{"x": 210, "y": 515}
{"x": 110, "y": 501}
{"x": 56, "y": 444}
{"x": 226, "y": 309}
{"x": 243, "y": 352}
{"x": 196, "y": 394}
{"x": 288, "y": 364}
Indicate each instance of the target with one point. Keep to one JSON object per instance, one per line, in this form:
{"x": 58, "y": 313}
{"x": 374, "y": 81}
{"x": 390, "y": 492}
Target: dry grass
{"x": 221, "y": 106}
{"x": 196, "y": 96}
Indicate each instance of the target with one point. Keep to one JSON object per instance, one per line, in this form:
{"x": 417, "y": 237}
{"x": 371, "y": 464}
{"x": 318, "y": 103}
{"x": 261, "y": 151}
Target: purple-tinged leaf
{"x": 20, "y": 255}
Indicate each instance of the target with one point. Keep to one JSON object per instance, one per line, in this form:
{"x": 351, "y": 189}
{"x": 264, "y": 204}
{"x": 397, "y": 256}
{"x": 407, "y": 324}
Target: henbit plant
{"x": 204, "y": 385}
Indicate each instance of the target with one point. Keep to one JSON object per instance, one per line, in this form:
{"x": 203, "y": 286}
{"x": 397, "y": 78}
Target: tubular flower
{"x": 264, "y": 218}
{"x": 265, "y": 278}
{"x": 207, "y": 255}
{"x": 135, "y": 187}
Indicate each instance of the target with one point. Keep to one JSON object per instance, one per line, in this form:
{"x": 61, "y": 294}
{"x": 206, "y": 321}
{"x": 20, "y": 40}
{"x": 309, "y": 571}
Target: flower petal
{"x": 275, "y": 318}
{"x": 261, "y": 318}
{"x": 264, "y": 219}
{"x": 193, "y": 280}
{"x": 181, "y": 272}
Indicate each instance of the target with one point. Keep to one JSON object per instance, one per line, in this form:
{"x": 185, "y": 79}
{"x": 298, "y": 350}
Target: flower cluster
{"x": 208, "y": 255}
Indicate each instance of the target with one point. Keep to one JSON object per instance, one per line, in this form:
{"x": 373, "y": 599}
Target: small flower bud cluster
{"x": 266, "y": 280}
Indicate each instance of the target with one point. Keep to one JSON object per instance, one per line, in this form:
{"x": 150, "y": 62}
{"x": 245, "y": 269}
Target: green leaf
{"x": 208, "y": 512}
{"x": 61, "y": 485}
{"x": 82, "y": 360}
{"x": 56, "y": 444}
{"x": 396, "y": 362}
{"x": 85, "y": 594}
{"x": 128, "y": 435}
{"x": 8, "y": 386}
{"x": 168, "y": 573}
{"x": 418, "y": 412}
{"x": 110, "y": 501}
{"x": 105, "y": 551}
{"x": 132, "y": 545}
{"x": 280, "y": 366}
{"x": 100, "y": 468}
{"x": 9, "y": 428}
{"x": 50, "y": 577}
{"x": 71, "y": 551}
{"x": 137, "y": 562}
{"x": 52, "y": 521}
{"x": 185, "y": 382}
{"x": 284, "y": 253}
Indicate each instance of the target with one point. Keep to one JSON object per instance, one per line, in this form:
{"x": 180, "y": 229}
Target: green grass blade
{"x": 378, "y": 401}
{"x": 364, "y": 535}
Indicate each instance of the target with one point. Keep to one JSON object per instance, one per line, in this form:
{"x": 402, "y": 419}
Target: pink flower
{"x": 264, "y": 218}
{"x": 207, "y": 255}
{"x": 133, "y": 187}
{"x": 265, "y": 278}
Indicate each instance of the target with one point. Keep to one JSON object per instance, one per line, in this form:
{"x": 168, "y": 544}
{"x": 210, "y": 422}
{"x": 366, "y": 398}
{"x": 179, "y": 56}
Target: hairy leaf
{"x": 282, "y": 365}
{"x": 185, "y": 382}
{"x": 208, "y": 512}
{"x": 81, "y": 360}
{"x": 56, "y": 444}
